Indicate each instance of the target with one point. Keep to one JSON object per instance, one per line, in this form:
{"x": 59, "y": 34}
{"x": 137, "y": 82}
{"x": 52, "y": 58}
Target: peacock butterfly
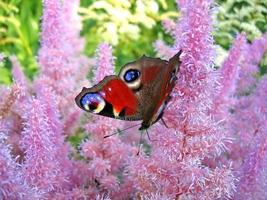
{"x": 141, "y": 91}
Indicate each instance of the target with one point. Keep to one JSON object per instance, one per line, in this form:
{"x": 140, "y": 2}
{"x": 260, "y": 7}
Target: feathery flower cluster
{"x": 229, "y": 72}
{"x": 215, "y": 145}
{"x": 176, "y": 167}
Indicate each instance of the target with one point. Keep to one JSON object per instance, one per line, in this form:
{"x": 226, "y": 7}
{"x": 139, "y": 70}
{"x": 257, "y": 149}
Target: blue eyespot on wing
{"x": 131, "y": 75}
{"x": 92, "y": 102}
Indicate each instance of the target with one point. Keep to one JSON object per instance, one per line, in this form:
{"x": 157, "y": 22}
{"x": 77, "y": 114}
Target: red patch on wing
{"x": 117, "y": 93}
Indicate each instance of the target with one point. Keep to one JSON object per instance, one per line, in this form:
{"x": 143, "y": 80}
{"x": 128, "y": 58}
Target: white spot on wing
{"x": 116, "y": 113}
{"x": 86, "y": 107}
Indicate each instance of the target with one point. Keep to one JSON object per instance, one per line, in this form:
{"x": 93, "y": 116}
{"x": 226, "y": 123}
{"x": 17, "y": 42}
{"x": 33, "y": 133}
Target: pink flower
{"x": 107, "y": 156}
{"x": 43, "y": 167}
{"x": 9, "y": 100}
{"x": 229, "y": 73}
{"x": 60, "y": 57}
{"x": 18, "y": 75}
{"x": 251, "y": 124}
{"x": 105, "y": 62}
{"x": 252, "y": 56}
{"x": 163, "y": 50}
{"x": 12, "y": 184}
{"x": 176, "y": 167}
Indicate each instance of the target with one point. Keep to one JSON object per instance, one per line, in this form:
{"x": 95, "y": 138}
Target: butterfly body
{"x": 141, "y": 91}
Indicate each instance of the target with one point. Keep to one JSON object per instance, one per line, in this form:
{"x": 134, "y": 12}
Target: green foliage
{"x": 235, "y": 16}
{"x": 130, "y": 26}
{"x": 263, "y": 64}
{"x": 4, "y": 71}
{"x": 76, "y": 139}
{"x": 19, "y": 33}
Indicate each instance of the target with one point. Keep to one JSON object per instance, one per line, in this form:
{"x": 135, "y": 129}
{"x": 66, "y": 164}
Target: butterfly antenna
{"x": 117, "y": 132}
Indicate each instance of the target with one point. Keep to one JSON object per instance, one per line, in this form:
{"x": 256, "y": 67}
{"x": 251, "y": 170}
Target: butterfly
{"x": 140, "y": 91}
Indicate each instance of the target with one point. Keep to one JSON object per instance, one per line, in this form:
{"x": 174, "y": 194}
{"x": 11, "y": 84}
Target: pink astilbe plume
{"x": 51, "y": 111}
{"x": 105, "y": 67}
{"x": 175, "y": 167}
{"x": 11, "y": 109}
{"x": 12, "y": 184}
{"x": 252, "y": 183}
{"x": 252, "y": 57}
{"x": 53, "y": 52}
{"x": 175, "y": 30}
{"x": 9, "y": 100}
{"x": 246, "y": 121}
{"x": 63, "y": 67}
{"x": 43, "y": 167}
{"x": 58, "y": 48}
{"x": 25, "y": 86}
{"x": 229, "y": 75}
{"x": 196, "y": 76}
{"x": 104, "y": 62}
{"x": 108, "y": 156}
{"x": 10, "y": 119}
{"x": 18, "y": 75}
{"x": 164, "y": 50}
{"x": 54, "y": 55}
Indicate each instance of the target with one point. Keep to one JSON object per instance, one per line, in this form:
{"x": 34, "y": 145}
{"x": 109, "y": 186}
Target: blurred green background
{"x": 131, "y": 36}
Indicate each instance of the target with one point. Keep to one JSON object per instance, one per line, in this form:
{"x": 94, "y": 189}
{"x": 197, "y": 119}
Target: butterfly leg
{"x": 148, "y": 136}
{"x": 140, "y": 142}
{"x": 106, "y": 136}
{"x": 118, "y": 132}
{"x": 163, "y": 121}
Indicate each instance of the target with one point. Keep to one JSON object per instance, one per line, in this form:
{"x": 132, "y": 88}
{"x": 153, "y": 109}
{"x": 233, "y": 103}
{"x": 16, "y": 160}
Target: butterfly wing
{"x": 146, "y": 86}
{"x": 153, "y": 88}
{"x": 139, "y": 92}
{"x": 164, "y": 89}
{"x": 111, "y": 97}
